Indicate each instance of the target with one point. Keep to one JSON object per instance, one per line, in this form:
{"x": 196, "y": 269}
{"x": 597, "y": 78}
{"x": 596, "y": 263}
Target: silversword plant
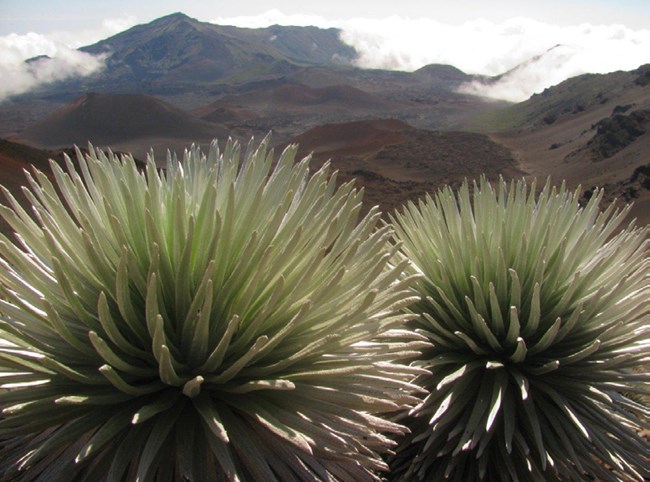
{"x": 226, "y": 318}
{"x": 538, "y": 310}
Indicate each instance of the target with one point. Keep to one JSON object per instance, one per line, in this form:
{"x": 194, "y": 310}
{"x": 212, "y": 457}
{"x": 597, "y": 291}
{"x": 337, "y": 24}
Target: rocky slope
{"x": 590, "y": 131}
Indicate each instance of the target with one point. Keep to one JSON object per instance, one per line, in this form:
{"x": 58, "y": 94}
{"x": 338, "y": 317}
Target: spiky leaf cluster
{"x": 228, "y": 318}
{"x": 537, "y": 311}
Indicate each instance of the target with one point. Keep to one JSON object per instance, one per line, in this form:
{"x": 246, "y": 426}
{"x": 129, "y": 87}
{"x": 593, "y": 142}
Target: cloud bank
{"x": 483, "y": 47}
{"x": 61, "y": 60}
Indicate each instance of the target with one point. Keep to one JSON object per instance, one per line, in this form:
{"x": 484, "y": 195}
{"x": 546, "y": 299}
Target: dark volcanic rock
{"x": 643, "y": 75}
{"x": 615, "y": 133}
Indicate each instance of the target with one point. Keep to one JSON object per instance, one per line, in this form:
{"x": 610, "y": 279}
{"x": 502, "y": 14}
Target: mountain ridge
{"x": 177, "y": 48}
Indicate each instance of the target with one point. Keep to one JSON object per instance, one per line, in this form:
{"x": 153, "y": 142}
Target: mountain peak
{"x": 177, "y": 21}
{"x": 173, "y": 18}
{"x": 176, "y": 49}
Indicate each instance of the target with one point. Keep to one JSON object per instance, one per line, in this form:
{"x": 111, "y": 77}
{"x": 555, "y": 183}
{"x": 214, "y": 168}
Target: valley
{"x": 176, "y": 81}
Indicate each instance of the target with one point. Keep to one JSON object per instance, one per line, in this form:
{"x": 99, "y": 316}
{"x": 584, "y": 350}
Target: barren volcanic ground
{"x": 603, "y": 143}
{"x": 395, "y": 162}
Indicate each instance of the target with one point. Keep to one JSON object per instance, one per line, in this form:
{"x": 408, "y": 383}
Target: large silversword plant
{"x": 538, "y": 310}
{"x": 228, "y": 318}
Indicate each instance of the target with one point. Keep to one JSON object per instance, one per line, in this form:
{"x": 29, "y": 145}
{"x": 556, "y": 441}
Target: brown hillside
{"x": 350, "y": 138}
{"x": 15, "y": 157}
{"x": 14, "y": 160}
{"x": 395, "y": 162}
{"x": 119, "y": 121}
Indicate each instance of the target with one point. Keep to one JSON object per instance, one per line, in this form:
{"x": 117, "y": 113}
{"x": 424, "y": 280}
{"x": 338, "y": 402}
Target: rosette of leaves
{"x": 537, "y": 309}
{"x": 227, "y": 318}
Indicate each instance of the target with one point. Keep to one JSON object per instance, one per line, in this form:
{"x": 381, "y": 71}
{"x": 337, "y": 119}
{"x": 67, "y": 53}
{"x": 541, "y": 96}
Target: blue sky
{"x": 486, "y": 37}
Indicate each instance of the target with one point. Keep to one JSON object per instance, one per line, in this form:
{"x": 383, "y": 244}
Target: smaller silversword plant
{"x": 538, "y": 310}
{"x": 228, "y": 318}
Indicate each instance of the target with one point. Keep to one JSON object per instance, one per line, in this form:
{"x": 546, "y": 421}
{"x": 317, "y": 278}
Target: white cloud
{"x": 483, "y": 47}
{"x": 19, "y": 76}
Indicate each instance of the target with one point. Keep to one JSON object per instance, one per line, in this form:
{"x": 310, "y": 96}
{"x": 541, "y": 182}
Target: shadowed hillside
{"x": 18, "y": 159}
{"x": 15, "y": 159}
{"x": 121, "y": 122}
